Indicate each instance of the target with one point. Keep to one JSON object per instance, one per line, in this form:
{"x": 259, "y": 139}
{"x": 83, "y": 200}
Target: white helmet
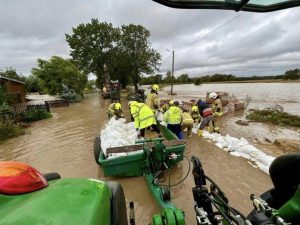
{"x": 213, "y": 95}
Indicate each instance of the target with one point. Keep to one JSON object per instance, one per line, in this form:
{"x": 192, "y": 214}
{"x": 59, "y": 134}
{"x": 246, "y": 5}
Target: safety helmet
{"x": 118, "y": 106}
{"x": 195, "y": 108}
{"x": 132, "y": 103}
{"x": 155, "y": 87}
{"x": 171, "y": 102}
{"x": 212, "y": 95}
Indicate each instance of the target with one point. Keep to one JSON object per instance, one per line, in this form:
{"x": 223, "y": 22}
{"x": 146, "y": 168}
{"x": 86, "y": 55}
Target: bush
{"x": 274, "y": 115}
{"x": 198, "y": 81}
{"x": 70, "y": 95}
{"x": 6, "y": 112}
{"x": 35, "y": 114}
{"x": 9, "y": 130}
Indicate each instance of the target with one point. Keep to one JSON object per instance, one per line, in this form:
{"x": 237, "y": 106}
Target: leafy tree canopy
{"x": 12, "y": 74}
{"x": 59, "y": 72}
{"x": 126, "y": 51}
{"x": 292, "y": 75}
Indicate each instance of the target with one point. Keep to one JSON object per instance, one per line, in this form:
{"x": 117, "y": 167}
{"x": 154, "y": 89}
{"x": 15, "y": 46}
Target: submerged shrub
{"x": 274, "y": 115}
{"x": 198, "y": 81}
{"x": 8, "y": 129}
{"x": 35, "y": 114}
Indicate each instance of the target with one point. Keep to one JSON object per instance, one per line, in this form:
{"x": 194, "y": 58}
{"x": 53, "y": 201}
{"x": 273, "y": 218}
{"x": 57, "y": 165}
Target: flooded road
{"x": 64, "y": 144}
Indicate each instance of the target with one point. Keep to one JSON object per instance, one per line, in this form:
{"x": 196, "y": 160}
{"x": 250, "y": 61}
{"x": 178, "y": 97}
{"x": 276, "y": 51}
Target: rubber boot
{"x": 217, "y": 130}
{"x": 200, "y": 133}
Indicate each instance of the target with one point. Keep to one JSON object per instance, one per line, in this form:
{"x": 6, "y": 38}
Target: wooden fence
{"x": 18, "y": 109}
{"x": 15, "y": 112}
{"x": 57, "y": 103}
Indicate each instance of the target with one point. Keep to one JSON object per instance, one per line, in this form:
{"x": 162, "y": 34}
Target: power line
{"x": 205, "y": 35}
{"x": 212, "y": 31}
{"x": 163, "y": 60}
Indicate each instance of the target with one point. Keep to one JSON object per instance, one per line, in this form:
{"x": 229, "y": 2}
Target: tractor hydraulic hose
{"x": 181, "y": 181}
{"x": 235, "y": 211}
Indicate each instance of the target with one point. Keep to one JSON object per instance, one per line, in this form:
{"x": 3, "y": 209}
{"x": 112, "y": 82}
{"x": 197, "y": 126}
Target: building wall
{"x": 15, "y": 88}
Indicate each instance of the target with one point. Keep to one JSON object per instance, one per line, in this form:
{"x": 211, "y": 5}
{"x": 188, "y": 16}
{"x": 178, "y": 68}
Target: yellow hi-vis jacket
{"x": 111, "y": 108}
{"x": 165, "y": 107}
{"x": 187, "y": 119}
{"x": 113, "y": 112}
{"x": 195, "y": 115}
{"x": 142, "y": 114}
{"x": 173, "y": 115}
{"x": 152, "y": 101}
{"x": 217, "y": 107}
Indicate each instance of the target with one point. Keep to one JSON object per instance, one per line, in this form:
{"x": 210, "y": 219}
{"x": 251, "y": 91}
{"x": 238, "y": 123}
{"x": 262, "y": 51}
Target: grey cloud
{"x": 251, "y": 44}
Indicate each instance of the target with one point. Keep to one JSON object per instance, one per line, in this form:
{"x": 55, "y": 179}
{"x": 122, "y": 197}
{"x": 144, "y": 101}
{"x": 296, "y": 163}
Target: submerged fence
{"x": 18, "y": 109}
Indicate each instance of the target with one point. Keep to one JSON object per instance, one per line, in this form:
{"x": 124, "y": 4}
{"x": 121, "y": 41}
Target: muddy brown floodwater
{"x": 64, "y": 144}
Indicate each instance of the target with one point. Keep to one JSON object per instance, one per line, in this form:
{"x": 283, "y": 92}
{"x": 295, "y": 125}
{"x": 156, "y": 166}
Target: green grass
{"x": 275, "y": 116}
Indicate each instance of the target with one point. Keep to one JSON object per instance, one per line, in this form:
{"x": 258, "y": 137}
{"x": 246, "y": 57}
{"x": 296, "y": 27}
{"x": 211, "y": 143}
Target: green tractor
{"x": 29, "y": 198}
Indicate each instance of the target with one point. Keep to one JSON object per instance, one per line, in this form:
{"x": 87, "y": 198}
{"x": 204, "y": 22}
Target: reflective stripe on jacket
{"x": 143, "y": 115}
{"x": 186, "y": 119}
{"x": 173, "y": 115}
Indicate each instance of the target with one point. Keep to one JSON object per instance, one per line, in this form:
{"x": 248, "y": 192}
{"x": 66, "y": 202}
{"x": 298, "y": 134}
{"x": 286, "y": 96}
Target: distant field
{"x": 241, "y": 81}
{"x": 258, "y": 81}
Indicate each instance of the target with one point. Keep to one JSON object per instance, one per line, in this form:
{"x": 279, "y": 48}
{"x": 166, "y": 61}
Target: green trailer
{"x": 148, "y": 157}
{"x": 166, "y": 151}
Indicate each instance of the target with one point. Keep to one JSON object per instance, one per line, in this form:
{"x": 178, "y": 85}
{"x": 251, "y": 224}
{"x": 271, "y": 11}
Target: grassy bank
{"x": 274, "y": 115}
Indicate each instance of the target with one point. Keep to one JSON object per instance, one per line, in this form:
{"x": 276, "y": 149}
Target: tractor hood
{"x": 63, "y": 202}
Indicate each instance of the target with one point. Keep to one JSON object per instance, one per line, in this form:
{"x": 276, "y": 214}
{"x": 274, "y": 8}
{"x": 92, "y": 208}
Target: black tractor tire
{"x": 118, "y": 204}
{"x": 97, "y": 148}
{"x": 51, "y": 176}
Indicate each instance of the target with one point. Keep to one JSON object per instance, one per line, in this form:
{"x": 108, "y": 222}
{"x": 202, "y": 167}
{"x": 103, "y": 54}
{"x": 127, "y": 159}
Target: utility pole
{"x": 172, "y": 73}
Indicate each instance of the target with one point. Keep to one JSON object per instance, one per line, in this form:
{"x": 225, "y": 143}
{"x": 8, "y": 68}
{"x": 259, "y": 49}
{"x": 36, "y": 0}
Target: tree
{"x": 12, "y": 74}
{"x": 292, "y": 74}
{"x": 198, "y": 81}
{"x": 126, "y": 51}
{"x": 90, "y": 85}
{"x": 168, "y": 78}
{"x": 57, "y": 73}
{"x": 183, "y": 78}
{"x": 135, "y": 44}
{"x": 32, "y": 84}
{"x": 92, "y": 45}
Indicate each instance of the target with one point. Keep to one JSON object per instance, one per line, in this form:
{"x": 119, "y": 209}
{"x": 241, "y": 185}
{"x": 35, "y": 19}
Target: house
{"x": 14, "y": 87}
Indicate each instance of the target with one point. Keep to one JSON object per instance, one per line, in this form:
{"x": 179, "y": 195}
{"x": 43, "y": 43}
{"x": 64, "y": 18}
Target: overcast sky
{"x": 251, "y": 44}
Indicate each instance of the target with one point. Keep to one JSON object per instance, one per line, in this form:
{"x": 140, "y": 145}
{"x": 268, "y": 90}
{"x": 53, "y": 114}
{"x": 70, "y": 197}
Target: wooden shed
{"x": 14, "y": 87}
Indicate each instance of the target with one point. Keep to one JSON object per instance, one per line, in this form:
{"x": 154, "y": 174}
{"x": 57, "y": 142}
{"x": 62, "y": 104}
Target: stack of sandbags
{"x": 117, "y": 133}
